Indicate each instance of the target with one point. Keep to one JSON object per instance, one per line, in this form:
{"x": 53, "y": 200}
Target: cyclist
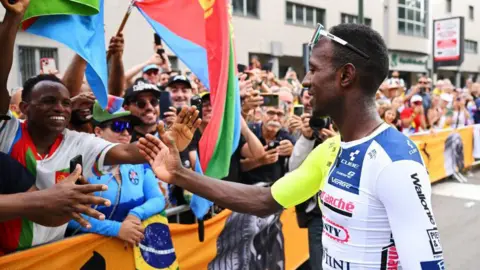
{"x": 376, "y": 197}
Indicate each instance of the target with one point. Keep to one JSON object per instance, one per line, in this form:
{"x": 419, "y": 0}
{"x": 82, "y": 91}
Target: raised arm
{"x": 8, "y": 33}
{"x": 116, "y": 78}
{"x": 73, "y": 77}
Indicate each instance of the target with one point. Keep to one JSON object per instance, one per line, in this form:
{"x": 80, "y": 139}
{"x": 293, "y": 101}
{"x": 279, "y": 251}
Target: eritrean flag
{"x": 198, "y": 32}
{"x": 80, "y": 26}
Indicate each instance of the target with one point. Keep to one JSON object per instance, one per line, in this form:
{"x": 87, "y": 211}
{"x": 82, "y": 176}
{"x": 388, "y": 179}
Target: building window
{"x": 347, "y": 18}
{"x": 449, "y": 6}
{"x": 471, "y": 13}
{"x": 413, "y": 17}
{"x": 304, "y": 15}
{"x": 248, "y": 8}
{"x": 471, "y": 46}
{"x": 29, "y": 60}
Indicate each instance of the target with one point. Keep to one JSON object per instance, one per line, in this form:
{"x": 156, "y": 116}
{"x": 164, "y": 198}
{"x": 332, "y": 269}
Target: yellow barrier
{"x": 98, "y": 252}
{"x": 445, "y": 152}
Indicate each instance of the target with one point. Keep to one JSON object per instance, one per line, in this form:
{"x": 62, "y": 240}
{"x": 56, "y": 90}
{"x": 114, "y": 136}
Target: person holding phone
{"x": 132, "y": 189}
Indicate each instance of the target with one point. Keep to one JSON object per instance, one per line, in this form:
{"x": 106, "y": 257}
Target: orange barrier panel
{"x": 445, "y": 152}
{"x": 110, "y": 253}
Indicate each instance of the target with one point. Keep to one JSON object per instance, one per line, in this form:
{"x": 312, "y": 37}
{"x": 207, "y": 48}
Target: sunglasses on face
{"x": 141, "y": 103}
{"x": 121, "y": 126}
{"x": 151, "y": 72}
{"x": 321, "y": 32}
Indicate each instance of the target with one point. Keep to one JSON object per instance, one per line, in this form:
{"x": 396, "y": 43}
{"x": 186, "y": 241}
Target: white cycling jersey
{"x": 376, "y": 205}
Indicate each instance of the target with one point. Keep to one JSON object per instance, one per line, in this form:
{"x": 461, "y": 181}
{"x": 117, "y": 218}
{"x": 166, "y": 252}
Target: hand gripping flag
{"x": 80, "y": 26}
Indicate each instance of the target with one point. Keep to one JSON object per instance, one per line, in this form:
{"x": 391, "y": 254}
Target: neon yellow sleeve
{"x": 304, "y": 182}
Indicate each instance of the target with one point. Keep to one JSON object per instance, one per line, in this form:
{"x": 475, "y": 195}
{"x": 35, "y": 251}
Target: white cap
{"x": 416, "y": 98}
{"x": 448, "y": 98}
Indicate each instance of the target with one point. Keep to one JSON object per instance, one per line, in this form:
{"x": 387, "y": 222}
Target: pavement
{"x": 457, "y": 211}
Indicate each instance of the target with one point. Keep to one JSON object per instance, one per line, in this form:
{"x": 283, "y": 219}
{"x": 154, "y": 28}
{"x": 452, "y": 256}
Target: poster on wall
{"x": 448, "y": 41}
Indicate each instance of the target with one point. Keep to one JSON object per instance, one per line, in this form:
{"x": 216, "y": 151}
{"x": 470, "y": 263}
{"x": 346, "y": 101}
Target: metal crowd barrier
{"x": 177, "y": 210}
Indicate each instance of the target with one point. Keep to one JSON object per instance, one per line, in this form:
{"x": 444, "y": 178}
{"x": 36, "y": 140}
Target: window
{"x": 29, "y": 60}
{"x": 471, "y": 46}
{"x": 471, "y": 13}
{"x": 248, "y": 8}
{"x": 449, "y": 6}
{"x": 347, "y": 18}
{"x": 413, "y": 17}
{"x": 304, "y": 15}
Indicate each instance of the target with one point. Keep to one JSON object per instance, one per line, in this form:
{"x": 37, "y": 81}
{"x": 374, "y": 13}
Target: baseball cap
{"x": 179, "y": 79}
{"x": 113, "y": 111}
{"x": 205, "y": 95}
{"x": 150, "y": 67}
{"x": 140, "y": 86}
{"x": 416, "y": 98}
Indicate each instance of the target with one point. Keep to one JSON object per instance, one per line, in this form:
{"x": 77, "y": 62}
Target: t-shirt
{"x": 14, "y": 178}
{"x": 48, "y": 170}
{"x": 376, "y": 204}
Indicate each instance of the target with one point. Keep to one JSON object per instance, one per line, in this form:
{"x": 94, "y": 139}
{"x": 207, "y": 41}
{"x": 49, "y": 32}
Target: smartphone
{"x": 165, "y": 102}
{"x": 73, "y": 164}
{"x": 48, "y": 65}
{"x": 273, "y": 145}
{"x": 197, "y": 102}
{"x": 270, "y": 100}
{"x": 158, "y": 40}
{"x": 298, "y": 110}
{"x": 241, "y": 68}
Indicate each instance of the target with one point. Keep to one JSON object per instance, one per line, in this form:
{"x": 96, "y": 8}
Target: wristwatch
{"x": 5, "y": 117}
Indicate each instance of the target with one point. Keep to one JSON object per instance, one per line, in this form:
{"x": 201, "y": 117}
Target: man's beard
{"x": 76, "y": 120}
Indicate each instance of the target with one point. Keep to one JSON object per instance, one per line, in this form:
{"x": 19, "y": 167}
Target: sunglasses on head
{"x": 141, "y": 103}
{"x": 118, "y": 126}
{"x": 321, "y": 32}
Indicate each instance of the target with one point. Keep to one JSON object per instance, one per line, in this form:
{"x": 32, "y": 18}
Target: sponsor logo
{"x": 372, "y": 154}
{"x": 335, "y": 231}
{"x": 354, "y": 154}
{"x": 349, "y": 163}
{"x": 433, "y": 265}
{"x": 341, "y": 183}
{"x": 344, "y": 181}
{"x": 390, "y": 259}
{"x": 334, "y": 263}
{"x": 140, "y": 86}
{"x": 349, "y": 175}
{"x": 434, "y": 237}
{"x": 337, "y": 205}
{"x": 421, "y": 196}
{"x": 413, "y": 149}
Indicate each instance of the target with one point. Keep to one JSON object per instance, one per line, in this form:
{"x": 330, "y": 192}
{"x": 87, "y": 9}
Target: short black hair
{"x": 30, "y": 84}
{"x": 373, "y": 71}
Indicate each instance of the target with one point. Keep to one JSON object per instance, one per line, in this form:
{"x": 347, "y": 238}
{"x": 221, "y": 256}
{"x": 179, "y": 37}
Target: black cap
{"x": 141, "y": 86}
{"x": 179, "y": 79}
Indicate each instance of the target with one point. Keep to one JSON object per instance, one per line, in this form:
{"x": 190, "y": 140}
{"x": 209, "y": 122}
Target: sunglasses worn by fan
{"x": 141, "y": 103}
{"x": 119, "y": 126}
{"x": 321, "y": 32}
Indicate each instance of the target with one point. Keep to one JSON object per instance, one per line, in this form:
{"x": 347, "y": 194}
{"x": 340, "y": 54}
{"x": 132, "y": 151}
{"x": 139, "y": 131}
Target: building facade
{"x": 275, "y": 31}
{"x": 470, "y": 11}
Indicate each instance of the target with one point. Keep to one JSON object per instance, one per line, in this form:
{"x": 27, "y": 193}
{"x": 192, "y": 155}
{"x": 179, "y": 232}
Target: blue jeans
{"x": 315, "y": 229}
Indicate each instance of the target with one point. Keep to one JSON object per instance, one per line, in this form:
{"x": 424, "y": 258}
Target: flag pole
{"x": 124, "y": 22}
